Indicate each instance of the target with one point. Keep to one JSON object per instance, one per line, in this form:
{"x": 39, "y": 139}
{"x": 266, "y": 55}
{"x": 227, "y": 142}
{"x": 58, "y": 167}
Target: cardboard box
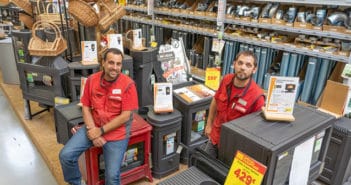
{"x": 339, "y": 29}
{"x": 303, "y": 25}
{"x": 265, "y": 20}
{"x": 333, "y": 99}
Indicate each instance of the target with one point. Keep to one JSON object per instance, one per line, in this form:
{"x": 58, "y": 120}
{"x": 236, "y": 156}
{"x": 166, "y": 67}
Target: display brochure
{"x": 346, "y": 73}
{"x": 163, "y": 97}
{"x": 212, "y": 77}
{"x": 194, "y": 93}
{"x": 137, "y": 40}
{"x": 115, "y": 41}
{"x": 174, "y": 63}
{"x": 89, "y": 52}
{"x": 217, "y": 45}
{"x": 245, "y": 171}
{"x": 280, "y": 99}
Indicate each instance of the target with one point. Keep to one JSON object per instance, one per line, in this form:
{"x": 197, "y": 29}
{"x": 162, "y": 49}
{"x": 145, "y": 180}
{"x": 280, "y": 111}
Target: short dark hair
{"x": 114, "y": 51}
{"x": 247, "y": 53}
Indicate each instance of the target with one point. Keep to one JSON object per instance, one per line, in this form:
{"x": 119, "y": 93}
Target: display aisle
{"x": 41, "y": 130}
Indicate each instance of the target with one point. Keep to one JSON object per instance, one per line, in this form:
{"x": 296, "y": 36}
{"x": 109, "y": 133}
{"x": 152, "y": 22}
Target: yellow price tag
{"x": 154, "y": 44}
{"x": 213, "y": 76}
{"x": 245, "y": 171}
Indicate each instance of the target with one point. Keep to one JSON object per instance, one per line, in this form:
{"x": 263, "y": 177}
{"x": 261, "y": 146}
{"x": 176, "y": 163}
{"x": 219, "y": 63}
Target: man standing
{"x": 108, "y": 101}
{"x": 237, "y": 95}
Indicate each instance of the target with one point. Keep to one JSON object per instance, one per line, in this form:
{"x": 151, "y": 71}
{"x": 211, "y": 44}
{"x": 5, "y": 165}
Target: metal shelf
{"x": 136, "y": 8}
{"x": 289, "y": 48}
{"x": 312, "y": 2}
{"x": 330, "y": 34}
{"x": 342, "y": 36}
{"x": 185, "y": 15}
{"x": 170, "y": 26}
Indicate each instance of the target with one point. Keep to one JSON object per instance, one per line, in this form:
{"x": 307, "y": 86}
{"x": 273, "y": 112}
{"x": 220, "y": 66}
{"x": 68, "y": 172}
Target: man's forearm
{"x": 117, "y": 121}
{"x": 88, "y": 117}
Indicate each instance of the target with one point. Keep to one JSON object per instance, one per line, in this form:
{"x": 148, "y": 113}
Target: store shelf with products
{"x": 313, "y": 2}
{"x": 180, "y": 27}
{"x": 288, "y": 47}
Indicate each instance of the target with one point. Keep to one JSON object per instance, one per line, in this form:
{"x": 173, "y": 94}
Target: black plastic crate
{"x": 66, "y": 117}
{"x": 165, "y": 140}
{"x": 337, "y": 168}
{"x": 273, "y": 143}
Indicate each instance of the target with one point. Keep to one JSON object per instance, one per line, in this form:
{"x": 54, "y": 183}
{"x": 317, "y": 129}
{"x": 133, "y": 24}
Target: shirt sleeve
{"x": 85, "y": 99}
{"x": 130, "y": 98}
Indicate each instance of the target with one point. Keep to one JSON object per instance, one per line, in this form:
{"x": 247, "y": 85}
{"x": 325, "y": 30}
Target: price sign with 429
{"x": 244, "y": 177}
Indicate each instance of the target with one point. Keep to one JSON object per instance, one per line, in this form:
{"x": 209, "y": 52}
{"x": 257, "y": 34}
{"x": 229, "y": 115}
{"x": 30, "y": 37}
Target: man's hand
{"x": 208, "y": 129}
{"x": 99, "y": 142}
{"x": 94, "y": 133}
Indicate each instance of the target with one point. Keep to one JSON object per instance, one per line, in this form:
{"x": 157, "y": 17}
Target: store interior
{"x": 50, "y": 46}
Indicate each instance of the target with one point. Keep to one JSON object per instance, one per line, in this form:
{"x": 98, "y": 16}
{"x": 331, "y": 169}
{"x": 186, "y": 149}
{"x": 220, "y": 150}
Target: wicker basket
{"x": 38, "y": 47}
{"x": 83, "y": 12}
{"x": 109, "y": 13}
{"x": 4, "y": 2}
{"x": 27, "y": 20}
{"x": 47, "y": 15}
{"x": 24, "y": 4}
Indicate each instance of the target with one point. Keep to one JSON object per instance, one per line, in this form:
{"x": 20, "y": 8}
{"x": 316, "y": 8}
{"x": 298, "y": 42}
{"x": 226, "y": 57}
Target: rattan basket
{"x": 109, "y": 13}
{"x": 39, "y": 47}
{"x": 4, "y": 2}
{"x": 24, "y": 4}
{"x": 27, "y": 20}
{"x": 83, "y": 12}
{"x": 47, "y": 15}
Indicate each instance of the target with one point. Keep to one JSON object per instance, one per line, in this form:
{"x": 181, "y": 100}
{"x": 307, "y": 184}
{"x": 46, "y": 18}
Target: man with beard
{"x": 108, "y": 101}
{"x": 237, "y": 95}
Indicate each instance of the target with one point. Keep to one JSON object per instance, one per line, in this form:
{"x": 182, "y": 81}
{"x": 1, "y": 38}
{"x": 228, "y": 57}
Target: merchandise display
{"x": 280, "y": 145}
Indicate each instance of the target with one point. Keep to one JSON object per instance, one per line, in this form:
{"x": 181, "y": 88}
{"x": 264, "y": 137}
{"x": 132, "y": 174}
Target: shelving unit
{"x": 274, "y": 27}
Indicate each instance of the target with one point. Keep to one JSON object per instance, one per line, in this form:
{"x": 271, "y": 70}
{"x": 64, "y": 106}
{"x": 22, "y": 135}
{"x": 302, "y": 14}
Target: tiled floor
{"x": 20, "y": 161}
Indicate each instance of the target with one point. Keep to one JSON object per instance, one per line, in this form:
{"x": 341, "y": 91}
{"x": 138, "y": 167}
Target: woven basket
{"x": 38, "y": 47}
{"x": 24, "y": 4}
{"x": 4, "y": 2}
{"x": 83, "y": 12}
{"x": 109, "y": 13}
{"x": 47, "y": 15}
{"x": 27, "y": 20}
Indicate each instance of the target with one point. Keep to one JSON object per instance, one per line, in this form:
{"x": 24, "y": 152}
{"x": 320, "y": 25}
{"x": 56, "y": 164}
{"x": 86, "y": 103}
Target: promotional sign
{"x": 212, "y": 77}
{"x": 89, "y": 52}
{"x": 245, "y": 171}
{"x": 281, "y": 98}
{"x": 163, "y": 98}
{"x": 115, "y": 41}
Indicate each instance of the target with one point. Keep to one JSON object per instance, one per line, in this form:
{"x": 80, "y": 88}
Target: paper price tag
{"x": 245, "y": 171}
{"x": 212, "y": 76}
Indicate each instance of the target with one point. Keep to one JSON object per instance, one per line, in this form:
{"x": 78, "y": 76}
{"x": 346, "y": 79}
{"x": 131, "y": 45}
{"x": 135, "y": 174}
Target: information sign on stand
{"x": 280, "y": 99}
{"x": 245, "y": 171}
{"x": 89, "y": 52}
{"x": 115, "y": 41}
{"x": 163, "y": 97}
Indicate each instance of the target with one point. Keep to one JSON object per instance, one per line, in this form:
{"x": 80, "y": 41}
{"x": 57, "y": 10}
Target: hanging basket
{"x": 39, "y": 47}
{"x": 27, "y": 20}
{"x": 109, "y": 13}
{"x": 24, "y": 4}
{"x": 4, "y": 2}
{"x": 47, "y": 15}
{"x": 83, "y": 12}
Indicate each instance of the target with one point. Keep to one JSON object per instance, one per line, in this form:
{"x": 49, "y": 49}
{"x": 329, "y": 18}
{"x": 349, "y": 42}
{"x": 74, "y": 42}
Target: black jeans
{"x": 210, "y": 149}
